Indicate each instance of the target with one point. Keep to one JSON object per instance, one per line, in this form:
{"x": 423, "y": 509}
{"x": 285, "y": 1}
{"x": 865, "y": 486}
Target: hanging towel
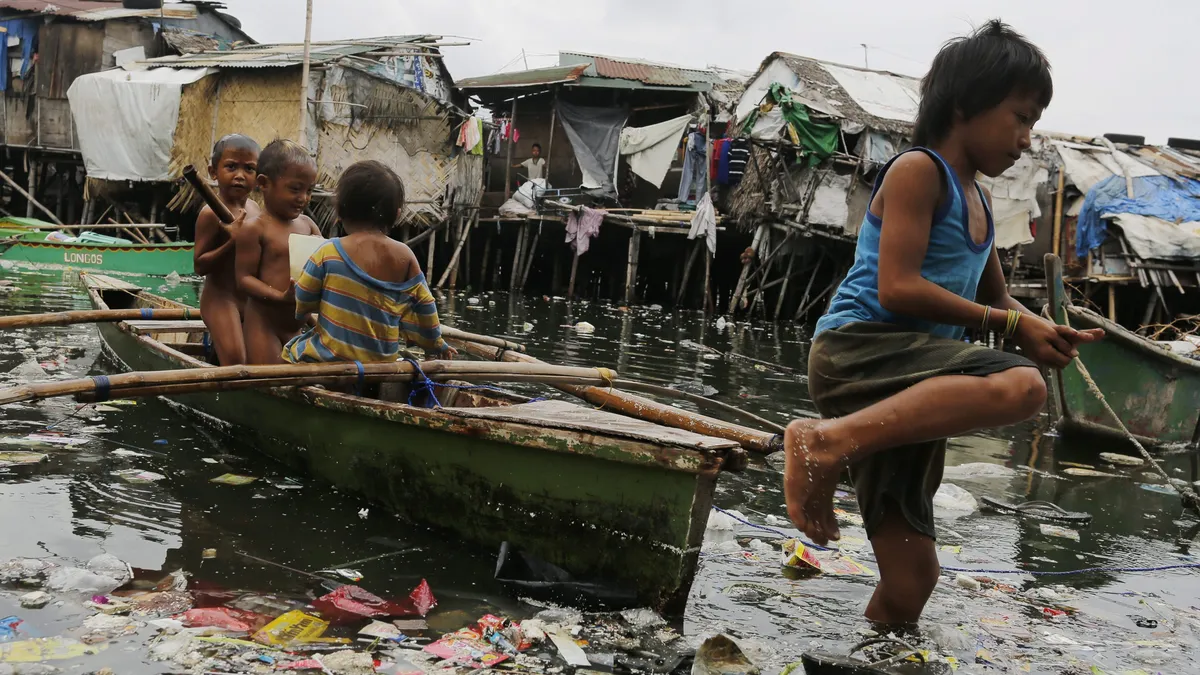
{"x": 704, "y": 224}
{"x": 650, "y": 150}
{"x": 582, "y": 225}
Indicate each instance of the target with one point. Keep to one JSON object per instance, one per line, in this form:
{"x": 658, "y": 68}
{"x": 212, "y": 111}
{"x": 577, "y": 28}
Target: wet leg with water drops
{"x": 817, "y": 451}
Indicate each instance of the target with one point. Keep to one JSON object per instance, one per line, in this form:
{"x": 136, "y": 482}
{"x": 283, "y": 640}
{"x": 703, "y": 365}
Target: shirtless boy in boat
{"x": 286, "y": 175}
{"x": 235, "y": 168}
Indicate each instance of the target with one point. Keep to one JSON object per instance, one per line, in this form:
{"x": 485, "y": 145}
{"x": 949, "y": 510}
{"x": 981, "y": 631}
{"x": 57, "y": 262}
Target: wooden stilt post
{"x": 1058, "y": 210}
{"x": 1112, "y": 302}
{"x": 515, "y": 277}
{"x": 808, "y": 289}
{"x": 787, "y": 276}
{"x": 429, "y": 257}
{"x": 487, "y": 257}
{"x": 530, "y": 254}
{"x": 709, "y": 305}
{"x": 509, "y": 153}
{"x": 741, "y": 284}
{"x": 574, "y": 270}
{"x": 687, "y": 272}
{"x": 451, "y": 270}
{"x": 550, "y": 141}
{"x": 631, "y": 266}
{"x": 30, "y": 200}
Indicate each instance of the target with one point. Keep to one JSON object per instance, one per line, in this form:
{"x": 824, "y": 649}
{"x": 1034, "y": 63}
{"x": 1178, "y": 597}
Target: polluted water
{"x": 138, "y": 562}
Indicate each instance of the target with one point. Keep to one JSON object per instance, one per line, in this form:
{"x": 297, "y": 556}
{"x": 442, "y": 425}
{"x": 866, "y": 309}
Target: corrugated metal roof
{"x": 281, "y": 55}
{"x": 638, "y": 70}
{"x": 99, "y": 10}
{"x": 526, "y": 78}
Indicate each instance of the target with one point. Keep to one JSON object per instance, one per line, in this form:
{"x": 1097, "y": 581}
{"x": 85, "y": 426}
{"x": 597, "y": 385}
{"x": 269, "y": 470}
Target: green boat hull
{"x": 1155, "y": 393}
{"x": 149, "y": 259}
{"x": 601, "y": 508}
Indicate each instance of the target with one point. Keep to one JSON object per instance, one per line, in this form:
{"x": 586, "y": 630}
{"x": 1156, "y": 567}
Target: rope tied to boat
{"x": 103, "y": 388}
{"x": 362, "y": 378}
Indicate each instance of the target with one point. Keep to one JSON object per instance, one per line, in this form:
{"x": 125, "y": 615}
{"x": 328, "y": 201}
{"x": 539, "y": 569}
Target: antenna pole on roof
{"x": 304, "y": 76}
{"x": 866, "y": 63}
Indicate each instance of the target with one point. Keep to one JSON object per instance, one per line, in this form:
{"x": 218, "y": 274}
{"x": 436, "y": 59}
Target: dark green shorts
{"x": 859, "y": 364}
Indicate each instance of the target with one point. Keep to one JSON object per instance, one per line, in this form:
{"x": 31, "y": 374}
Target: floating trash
{"x": 233, "y": 479}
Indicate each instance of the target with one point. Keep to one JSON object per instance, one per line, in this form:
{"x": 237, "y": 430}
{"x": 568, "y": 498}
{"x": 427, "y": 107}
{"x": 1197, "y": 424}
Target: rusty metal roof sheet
{"x": 526, "y": 78}
{"x": 638, "y": 70}
{"x": 101, "y": 10}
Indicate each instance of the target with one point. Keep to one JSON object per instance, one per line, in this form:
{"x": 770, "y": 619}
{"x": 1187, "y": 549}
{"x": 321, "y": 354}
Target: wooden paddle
{"x": 211, "y": 379}
{"x": 644, "y": 408}
{"x": 111, "y": 315}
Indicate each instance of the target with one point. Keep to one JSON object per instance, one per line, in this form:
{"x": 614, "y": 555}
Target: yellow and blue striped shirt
{"x": 360, "y": 318}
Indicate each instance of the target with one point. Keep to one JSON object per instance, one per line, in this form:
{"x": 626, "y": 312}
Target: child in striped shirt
{"x": 366, "y": 289}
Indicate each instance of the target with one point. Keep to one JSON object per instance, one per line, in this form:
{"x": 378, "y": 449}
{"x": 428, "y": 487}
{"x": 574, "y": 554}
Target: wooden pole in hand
{"x": 208, "y": 195}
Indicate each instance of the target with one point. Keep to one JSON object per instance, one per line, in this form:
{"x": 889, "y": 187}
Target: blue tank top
{"x": 952, "y": 261}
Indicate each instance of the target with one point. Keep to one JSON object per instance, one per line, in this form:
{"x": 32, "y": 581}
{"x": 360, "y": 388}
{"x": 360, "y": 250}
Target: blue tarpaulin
{"x": 1175, "y": 201}
{"x": 27, "y": 31}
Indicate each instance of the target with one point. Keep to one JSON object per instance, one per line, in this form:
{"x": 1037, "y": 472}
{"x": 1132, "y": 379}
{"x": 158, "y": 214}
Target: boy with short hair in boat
{"x": 234, "y": 166}
{"x": 366, "y": 289}
{"x": 286, "y": 176}
{"x": 888, "y": 367}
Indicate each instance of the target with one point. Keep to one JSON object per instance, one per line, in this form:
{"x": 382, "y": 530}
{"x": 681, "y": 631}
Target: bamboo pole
{"x": 741, "y": 284}
{"x": 282, "y": 374}
{"x": 687, "y": 272}
{"x": 529, "y": 256}
{"x": 32, "y": 202}
{"x": 304, "y": 68}
{"x": 649, "y": 410}
{"x": 95, "y": 316}
{"x": 787, "y": 276}
{"x": 458, "y": 248}
{"x": 1058, "y": 210}
{"x": 515, "y": 277}
{"x": 336, "y": 381}
{"x": 709, "y": 304}
{"x": 487, "y": 258}
{"x": 188, "y": 314}
{"x": 512, "y": 124}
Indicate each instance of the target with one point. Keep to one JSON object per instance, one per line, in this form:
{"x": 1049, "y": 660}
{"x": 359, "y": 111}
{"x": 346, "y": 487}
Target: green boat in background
{"x": 27, "y": 241}
{"x": 1155, "y": 392}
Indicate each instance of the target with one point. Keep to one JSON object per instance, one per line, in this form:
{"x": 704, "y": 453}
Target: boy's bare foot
{"x": 810, "y": 475}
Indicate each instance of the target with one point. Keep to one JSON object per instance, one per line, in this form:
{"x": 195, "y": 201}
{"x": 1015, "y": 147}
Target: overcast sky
{"x": 1118, "y": 66}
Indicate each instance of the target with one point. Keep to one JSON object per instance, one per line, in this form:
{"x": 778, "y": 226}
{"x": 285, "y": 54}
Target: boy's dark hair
{"x": 538, "y": 146}
{"x": 370, "y": 192}
{"x": 975, "y": 73}
{"x": 233, "y": 142}
{"x": 280, "y": 154}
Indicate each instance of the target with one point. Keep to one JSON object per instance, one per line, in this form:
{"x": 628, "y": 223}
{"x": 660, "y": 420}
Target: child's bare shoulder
{"x": 914, "y": 174}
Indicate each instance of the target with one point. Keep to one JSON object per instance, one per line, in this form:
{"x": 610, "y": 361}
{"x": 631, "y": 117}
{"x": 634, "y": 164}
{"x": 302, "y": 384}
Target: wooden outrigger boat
{"x": 601, "y": 495}
{"x": 31, "y": 242}
{"x": 1155, "y": 392}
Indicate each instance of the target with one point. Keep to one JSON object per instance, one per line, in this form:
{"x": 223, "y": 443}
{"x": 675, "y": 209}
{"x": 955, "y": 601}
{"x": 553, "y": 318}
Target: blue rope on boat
{"x": 147, "y": 313}
{"x": 422, "y": 385}
{"x": 103, "y": 387}
{"x": 426, "y": 386}
{"x": 967, "y": 570}
{"x": 362, "y": 378}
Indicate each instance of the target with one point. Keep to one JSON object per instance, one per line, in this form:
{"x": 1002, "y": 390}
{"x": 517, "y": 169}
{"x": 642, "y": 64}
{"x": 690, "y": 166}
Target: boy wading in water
{"x": 888, "y": 369}
{"x": 286, "y": 175}
{"x": 235, "y": 168}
